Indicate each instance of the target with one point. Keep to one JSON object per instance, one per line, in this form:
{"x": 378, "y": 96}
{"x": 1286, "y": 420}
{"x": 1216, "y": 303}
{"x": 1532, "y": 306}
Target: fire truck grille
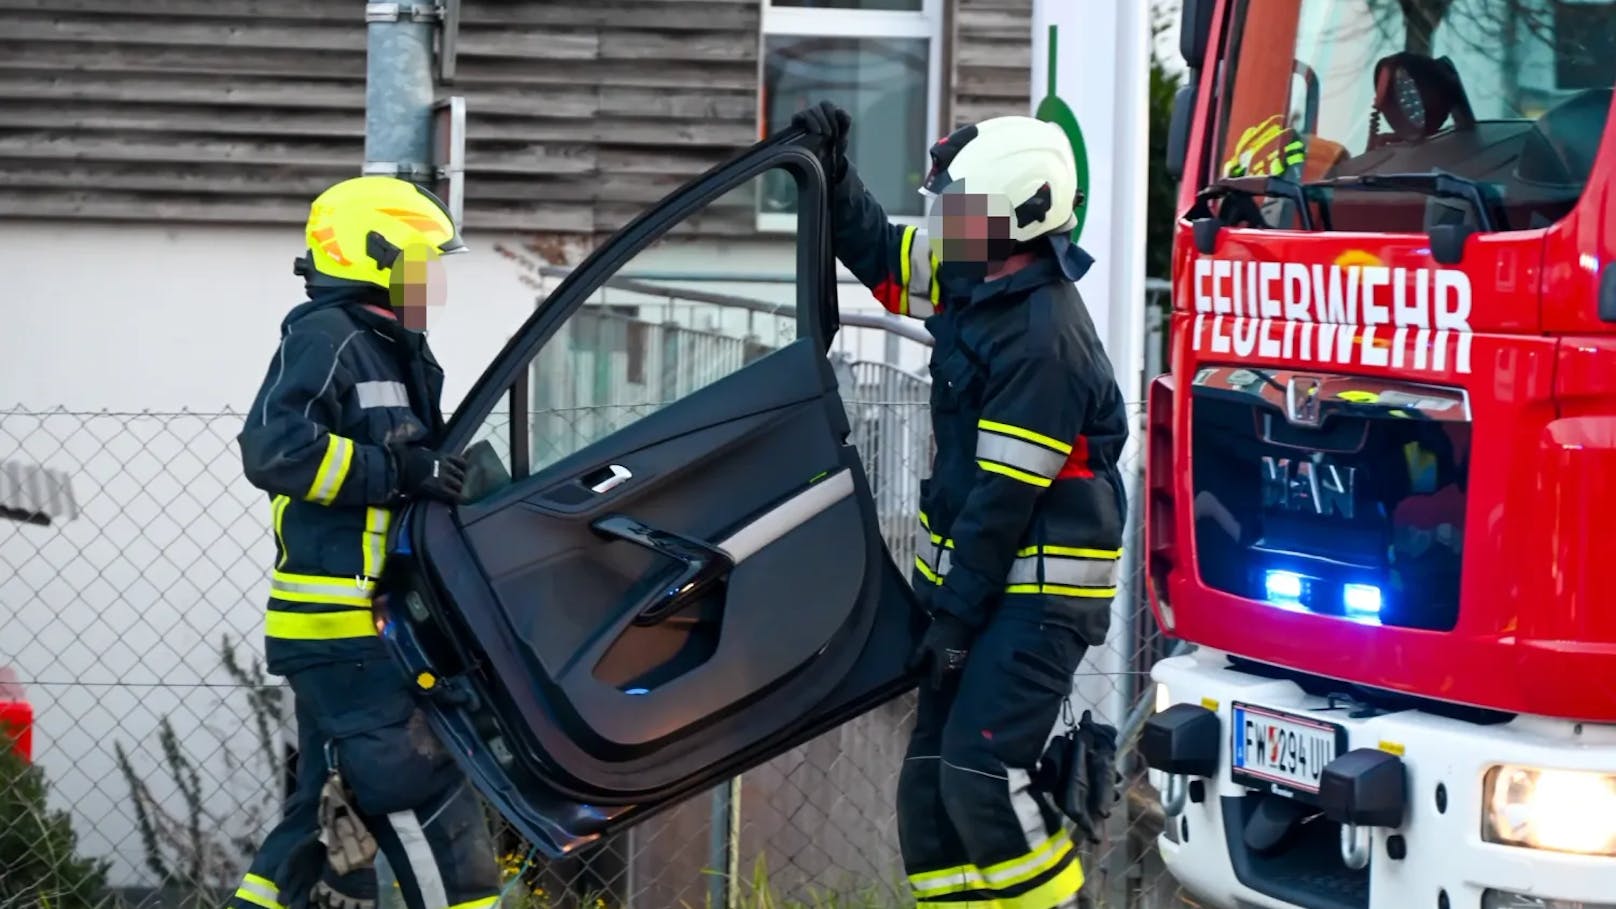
{"x": 1337, "y": 495}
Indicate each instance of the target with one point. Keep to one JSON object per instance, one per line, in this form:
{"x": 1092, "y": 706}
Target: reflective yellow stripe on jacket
{"x": 1019, "y": 453}
{"x": 375, "y": 540}
{"x": 932, "y": 558}
{"x": 1065, "y": 571}
{"x": 333, "y": 470}
{"x": 917, "y": 273}
{"x": 277, "y": 510}
{"x": 319, "y": 626}
{"x": 306, "y": 615}
{"x": 1050, "y": 570}
{"x": 303, "y": 620}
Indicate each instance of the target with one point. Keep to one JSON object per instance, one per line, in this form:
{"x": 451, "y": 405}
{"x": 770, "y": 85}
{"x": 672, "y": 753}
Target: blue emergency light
{"x": 1288, "y": 589}
{"x": 1361, "y": 599}
{"x": 1283, "y": 586}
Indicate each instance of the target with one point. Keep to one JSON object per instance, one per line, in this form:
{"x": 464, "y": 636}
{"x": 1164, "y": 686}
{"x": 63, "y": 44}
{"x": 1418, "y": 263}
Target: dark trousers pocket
{"x": 355, "y": 696}
{"x": 384, "y": 748}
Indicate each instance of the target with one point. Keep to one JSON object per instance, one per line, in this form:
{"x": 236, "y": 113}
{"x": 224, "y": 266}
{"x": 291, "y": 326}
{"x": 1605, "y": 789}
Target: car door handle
{"x": 704, "y": 565}
{"x": 607, "y": 478}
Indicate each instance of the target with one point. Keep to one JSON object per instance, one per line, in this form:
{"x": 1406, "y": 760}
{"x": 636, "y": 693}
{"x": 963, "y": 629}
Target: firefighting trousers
{"x": 361, "y": 717}
{"x": 300, "y": 821}
{"x": 971, "y": 831}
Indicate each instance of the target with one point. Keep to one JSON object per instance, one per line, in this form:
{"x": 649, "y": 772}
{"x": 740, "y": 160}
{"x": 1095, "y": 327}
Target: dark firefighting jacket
{"x": 346, "y": 383}
{"x": 1024, "y": 508}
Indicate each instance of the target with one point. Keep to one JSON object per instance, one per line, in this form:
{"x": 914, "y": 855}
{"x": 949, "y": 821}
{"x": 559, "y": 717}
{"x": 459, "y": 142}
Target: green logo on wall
{"x": 1053, "y": 110}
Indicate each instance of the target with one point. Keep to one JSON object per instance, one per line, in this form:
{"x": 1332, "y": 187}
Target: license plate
{"x": 1282, "y": 752}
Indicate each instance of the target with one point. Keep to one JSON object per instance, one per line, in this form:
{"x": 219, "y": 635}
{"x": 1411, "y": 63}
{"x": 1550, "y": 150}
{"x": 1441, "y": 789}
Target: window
{"x": 879, "y": 60}
{"x": 628, "y": 351}
{"x": 1512, "y": 94}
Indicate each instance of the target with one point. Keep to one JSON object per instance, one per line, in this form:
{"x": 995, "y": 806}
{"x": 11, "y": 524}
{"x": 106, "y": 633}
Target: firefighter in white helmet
{"x": 1021, "y": 520}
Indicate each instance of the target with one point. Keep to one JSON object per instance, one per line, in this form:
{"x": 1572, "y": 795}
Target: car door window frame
{"x": 815, "y": 282}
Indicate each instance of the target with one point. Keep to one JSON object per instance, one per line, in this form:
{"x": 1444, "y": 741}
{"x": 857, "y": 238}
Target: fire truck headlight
{"x": 1554, "y": 810}
{"x": 1164, "y": 698}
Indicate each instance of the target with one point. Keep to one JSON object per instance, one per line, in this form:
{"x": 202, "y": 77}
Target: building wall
{"x": 991, "y": 66}
{"x": 237, "y": 111}
{"x": 240, "y": 110}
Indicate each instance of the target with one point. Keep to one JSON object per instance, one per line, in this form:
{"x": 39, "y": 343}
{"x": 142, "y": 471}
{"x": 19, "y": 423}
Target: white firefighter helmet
{"x": 1027, "y": 162}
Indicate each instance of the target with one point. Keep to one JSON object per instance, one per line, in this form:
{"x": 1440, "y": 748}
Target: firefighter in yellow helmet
{"x": 344, "y": 429}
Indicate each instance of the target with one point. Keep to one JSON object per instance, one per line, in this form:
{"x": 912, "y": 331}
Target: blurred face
{"x": 969, "y": 227}
{"x": 418, "y": 284}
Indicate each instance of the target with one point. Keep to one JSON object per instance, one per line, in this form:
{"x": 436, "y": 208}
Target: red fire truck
{"x": 1381, "y": 481}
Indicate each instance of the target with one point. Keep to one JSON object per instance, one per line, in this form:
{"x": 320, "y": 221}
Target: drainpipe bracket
{"x": 393, "y": 12}
{"x": 415, "y": 173}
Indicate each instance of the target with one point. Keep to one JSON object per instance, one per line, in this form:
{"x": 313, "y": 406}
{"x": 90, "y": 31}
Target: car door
{"x": 669, "y": 567}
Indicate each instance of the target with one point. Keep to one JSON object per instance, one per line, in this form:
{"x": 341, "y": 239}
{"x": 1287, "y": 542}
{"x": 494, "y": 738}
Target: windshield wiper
{"x": 1447, "y": 240}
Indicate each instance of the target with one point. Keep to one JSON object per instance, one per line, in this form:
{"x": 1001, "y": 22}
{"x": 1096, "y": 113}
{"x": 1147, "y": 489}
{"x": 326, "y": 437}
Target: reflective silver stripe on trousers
{"x": 382, "y": 394}
{"x": 423, "y": 865}
{"x": 1019, "y": 453}
{"x": 1067, "y": 572}
{"x": 345, "y": 589}
{"x": 252, "y": 883}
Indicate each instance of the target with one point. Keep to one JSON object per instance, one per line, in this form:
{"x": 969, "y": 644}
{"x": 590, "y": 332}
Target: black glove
{"x": 1077, "y": 775}
{"x": 829, "y": 124}
{"x": 944, "y": 645}
{"x": 1100, "y": 753}
{"x": 424, "y": 473}
{"x": 1062, "y": 779}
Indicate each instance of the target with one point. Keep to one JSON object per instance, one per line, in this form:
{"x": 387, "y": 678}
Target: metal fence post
{"x": 723, "y": 846}
{"x": 718, "y": 850}
{"x": 732, "y": 895}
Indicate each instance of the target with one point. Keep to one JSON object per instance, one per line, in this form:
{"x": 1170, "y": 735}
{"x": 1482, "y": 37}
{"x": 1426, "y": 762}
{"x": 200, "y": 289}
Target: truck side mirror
{"x": 1195, "y": 31}
{"x": 1178, "y": 128}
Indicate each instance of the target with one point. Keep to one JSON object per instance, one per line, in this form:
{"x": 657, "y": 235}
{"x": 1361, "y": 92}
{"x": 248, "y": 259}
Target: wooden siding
{"x": 992, "y": 60}
{"x": 579, "y": 114}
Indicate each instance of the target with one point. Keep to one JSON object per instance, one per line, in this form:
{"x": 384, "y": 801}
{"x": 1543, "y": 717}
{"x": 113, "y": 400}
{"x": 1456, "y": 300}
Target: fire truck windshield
{"x": 1511, "y": 94}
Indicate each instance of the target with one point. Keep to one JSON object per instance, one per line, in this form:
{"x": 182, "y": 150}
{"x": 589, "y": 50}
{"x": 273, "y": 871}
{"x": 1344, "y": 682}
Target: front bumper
{"x": 1435, "y": 857}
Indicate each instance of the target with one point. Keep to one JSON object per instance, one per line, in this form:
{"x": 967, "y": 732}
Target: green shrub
{"x": 39, "y": 864}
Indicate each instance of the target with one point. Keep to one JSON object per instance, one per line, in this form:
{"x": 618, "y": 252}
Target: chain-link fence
{"x": 162, "y": 751}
